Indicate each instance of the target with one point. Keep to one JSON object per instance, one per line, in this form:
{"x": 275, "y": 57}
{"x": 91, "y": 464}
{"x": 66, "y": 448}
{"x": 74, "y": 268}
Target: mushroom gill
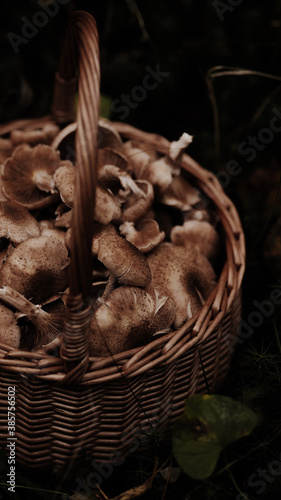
{"x": 28, "y": 176}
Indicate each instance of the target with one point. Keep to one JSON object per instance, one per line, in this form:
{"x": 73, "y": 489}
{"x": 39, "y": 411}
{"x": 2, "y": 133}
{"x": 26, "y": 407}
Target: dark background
{"x": 186, "y": 38}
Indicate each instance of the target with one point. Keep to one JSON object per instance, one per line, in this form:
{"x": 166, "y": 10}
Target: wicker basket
{"x": 71, "y": 407}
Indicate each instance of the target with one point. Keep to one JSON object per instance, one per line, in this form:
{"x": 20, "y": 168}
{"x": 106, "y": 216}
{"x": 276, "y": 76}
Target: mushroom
{"x": 158, "y": 171}
{"x": 99, "y": 230}
{"x": 48, "y": 325}
{"x": 16, "y": 223}
{"x": 138, "y": 156}
{"x": 124, "y": 261}
{"x": 188, "y": 278}
{"x": 180, "y": 193}
{"x": 113, "y": 167}
{"x": 28, "y": 176}
{"x": 145, "y": 234}
{"x": 10, "y": 333}
{"x": 126, "y": 319}
{"x": 177, "y": 147}
{"x": 108, "y": 137}
{"x": 197, "y": 234}
{"x": 107, "y": 207}
{"x": 136, "y": 207}
{"x": 37, "y": 268}
{"x": 64, "y": 179}
{"x": 43, "y": 135}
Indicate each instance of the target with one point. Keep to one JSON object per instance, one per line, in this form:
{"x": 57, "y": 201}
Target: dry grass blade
{"x": 219, "y": 71}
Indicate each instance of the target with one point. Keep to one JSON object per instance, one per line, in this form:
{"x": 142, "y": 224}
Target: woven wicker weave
{"x": 71, "y": 407}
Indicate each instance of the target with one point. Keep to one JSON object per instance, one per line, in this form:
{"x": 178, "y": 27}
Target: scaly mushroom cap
{"x": 107, "y": 207}
{"x": 198, "y": 234}
{"x": 127, "y": 319}
{"x": 28, "y": 176}
{"x": 127, "y": 264}
{"x": 145, "y": 234}
{"x": 9, "y": 332}
{"x": 16, "y": 223}
{"x": 64, "y": 179}
{"x": 135, "y": 206}
{"x": 37, "y": 268}
{"x": 183, "y": 274}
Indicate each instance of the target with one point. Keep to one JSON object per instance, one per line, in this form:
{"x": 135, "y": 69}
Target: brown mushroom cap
{"x": 108, "y": 137}
{"x": 136, "y": 207}
{"x": 16, "y": 223}
{"x": 183, "y": 274}
{"x": 9, "y": 331}
{"x": 127, "y": 319}
{"x": 37, "y": 268}
{"x": 107, "y": 207}
{"x": 145, "y": 234}
{"x": 180, "y": 193}
{"x": 127, "y": 264}
{"x": 138, "y": 156}
{"x": 198, "y": 234}
{"x": 64, "y": 178}
{"x": 28, "y": 176}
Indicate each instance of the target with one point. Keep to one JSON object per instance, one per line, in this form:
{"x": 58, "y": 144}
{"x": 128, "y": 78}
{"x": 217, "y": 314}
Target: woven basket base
{"x": 57, "y": 428}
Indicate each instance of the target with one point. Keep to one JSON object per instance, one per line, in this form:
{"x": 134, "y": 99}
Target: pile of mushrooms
{"x": 154, "y": 245}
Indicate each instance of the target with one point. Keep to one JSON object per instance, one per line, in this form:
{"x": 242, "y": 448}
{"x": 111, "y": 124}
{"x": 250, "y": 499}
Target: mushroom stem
{"x": 48, "y": 325}
{"x": 44, "y": 181}
{"x": 33, "y": 312}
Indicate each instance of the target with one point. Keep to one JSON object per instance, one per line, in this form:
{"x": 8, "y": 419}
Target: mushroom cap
{"x": 16, "y": 223}
{"x": 124, "y": 260}
{"x": 198, "y": 234}
{"x": 107, "y": 207}
{"x": 28, "y": 176}
{"x": 9, "y": 331}
{"x": 136, "y": 207}
{"x": 107, "y": 156}
{"x": 37, "y": 268}
{"x": 108, "y": 137}
{"x": 145, "y": 234}
{"x": 180, "y": 193}
{"x": 187, "y": 272}
{"x": 127, "y": 319}
{"x": 64, "y": 178}
{"x": 121, "y": 322}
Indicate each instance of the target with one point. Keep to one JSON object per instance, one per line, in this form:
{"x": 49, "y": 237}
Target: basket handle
{"x": 80, "y": 52}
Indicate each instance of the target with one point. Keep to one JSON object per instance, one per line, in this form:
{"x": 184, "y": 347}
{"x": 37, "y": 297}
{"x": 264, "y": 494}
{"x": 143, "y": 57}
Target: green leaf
{"x": 208, "y": 424}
